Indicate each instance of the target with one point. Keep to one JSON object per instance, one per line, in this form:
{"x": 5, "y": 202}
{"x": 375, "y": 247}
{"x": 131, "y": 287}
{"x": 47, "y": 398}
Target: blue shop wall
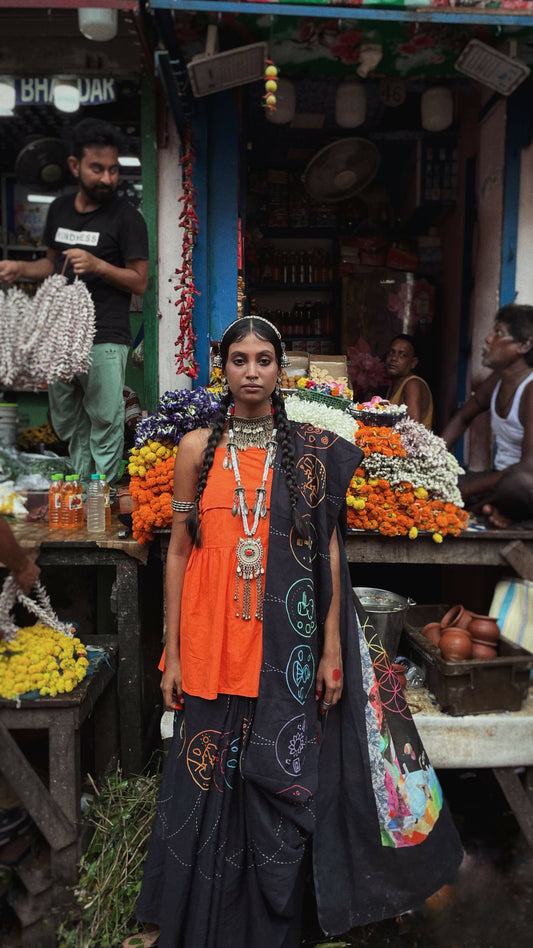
{"x": 216, "y": 179}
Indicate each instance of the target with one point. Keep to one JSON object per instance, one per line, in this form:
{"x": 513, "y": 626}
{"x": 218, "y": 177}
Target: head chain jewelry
{"x": 285, "y": 361}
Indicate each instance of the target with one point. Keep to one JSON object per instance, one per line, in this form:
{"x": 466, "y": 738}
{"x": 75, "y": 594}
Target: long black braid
{"x": 237, "y": 331}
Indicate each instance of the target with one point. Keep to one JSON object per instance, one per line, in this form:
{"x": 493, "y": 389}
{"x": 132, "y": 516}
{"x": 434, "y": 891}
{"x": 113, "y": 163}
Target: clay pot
{"x": 484, "y": 628}
{"x": 432, "y": 632}
{"x": 457, "y": 616}
{"x": 455, "y": 644}
{"x": 480, "y": 650}
{"x": 400, "y": 673}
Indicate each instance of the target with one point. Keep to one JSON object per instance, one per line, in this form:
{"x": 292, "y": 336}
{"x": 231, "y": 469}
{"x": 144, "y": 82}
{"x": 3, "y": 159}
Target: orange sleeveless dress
{"x": 220, "y": 653}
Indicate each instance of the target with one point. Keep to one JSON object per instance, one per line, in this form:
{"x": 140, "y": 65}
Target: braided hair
{"x": 235, "y": 332}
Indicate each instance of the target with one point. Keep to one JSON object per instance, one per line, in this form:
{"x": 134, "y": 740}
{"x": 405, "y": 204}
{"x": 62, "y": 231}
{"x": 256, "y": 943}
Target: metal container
{"x": 386, "y": 613}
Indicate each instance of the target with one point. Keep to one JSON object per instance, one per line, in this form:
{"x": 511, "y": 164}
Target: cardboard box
{"x": 335, "y": 366}
{"x": 299, "y": 360}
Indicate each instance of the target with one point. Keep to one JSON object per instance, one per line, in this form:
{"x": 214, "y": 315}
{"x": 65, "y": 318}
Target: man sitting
{"x": 507, "y": 490}
{"x": 405, "y": 387}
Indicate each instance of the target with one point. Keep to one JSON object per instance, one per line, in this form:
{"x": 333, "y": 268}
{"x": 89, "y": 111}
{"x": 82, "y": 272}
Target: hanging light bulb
{"x": 285, "y": 103}
{"x": 350, "y": 103}
{"x": 7, "y": 95}
{"x": 66, "y": 94}
{"x": 436, "y": 109}
{"x": 97, "y": 23}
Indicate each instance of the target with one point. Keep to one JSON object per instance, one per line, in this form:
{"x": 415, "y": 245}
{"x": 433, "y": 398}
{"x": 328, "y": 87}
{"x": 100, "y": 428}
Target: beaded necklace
{"x": 249, "y": 550}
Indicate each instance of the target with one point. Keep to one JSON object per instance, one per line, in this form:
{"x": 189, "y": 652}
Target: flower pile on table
{"x": 40, "y": 660}
{"x": 407, "y": 483}
{"x": 151, "y": 462}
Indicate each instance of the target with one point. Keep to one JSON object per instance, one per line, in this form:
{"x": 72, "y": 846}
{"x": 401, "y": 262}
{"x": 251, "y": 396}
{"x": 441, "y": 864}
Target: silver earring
{"x": 277, "y": 387}
{"x": 285, "y": 361}
{"x": 225, "y": 387}
{"x": 217, "y": 362}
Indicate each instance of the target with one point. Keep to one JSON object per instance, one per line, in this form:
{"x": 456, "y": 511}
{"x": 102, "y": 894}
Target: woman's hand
{"x": 329, "y": 679}
{"x": 171, "y": 686}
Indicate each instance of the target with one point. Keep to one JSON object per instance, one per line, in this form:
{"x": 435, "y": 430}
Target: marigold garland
{"x": 188, "y": 221}
{"x": 151, "y": 489}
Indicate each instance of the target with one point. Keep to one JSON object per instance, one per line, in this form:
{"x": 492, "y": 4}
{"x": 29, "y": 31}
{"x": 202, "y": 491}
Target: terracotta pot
{"x": 480, "y": 650}
{"x": 400, "y": 673}
{"x": 484, "y": 628}
{"x": 432, "y": 632}
{"x": 457, "y": 616}
{"x": 455, "y": 644}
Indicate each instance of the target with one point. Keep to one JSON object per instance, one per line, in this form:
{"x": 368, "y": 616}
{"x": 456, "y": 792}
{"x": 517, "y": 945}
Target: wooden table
{"x": 75, "y": 548}
{"x": 502, "y": 741}
{"x": 56, "y": 810}
{"x": 470, "y": 548}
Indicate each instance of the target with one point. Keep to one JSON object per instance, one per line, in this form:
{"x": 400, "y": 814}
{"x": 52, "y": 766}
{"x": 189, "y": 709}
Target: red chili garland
{"x": 188, "y": 220}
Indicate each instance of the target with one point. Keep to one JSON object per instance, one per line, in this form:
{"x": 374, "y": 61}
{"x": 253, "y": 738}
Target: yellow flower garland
{"x": 40, "y": 659}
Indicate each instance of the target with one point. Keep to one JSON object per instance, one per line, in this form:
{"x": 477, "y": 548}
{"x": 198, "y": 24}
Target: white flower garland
{"x": 428, "y": 463}
{"x": 46, "y": 338}
{"x": 321, "y": 416}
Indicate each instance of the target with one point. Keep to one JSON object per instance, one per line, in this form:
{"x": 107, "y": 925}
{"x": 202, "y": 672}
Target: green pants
{"x": 88, "y": 413}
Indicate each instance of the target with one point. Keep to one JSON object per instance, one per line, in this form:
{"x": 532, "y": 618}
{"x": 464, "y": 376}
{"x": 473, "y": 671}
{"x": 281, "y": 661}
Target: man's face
{"x": 500, "y": 349}
{"x": 97, "y": 172}
{"x": 400, "y": 359}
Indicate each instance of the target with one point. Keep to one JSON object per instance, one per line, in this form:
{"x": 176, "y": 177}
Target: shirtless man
{"x": 508, "y": 394}
{"x": 405, "y": 387}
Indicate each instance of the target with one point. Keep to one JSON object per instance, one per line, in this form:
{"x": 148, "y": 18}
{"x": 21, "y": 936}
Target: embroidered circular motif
{"x": 316, "y": 437}
{"x": 227, "y": 761}
{"x": 300, "y": 672}
{"x": 201, "y": 756}
{"x": 300, "y": 606}
{"x": 304, "y": 551}
{"x": 290, "y": 746}
{"x": 311, "y": 475}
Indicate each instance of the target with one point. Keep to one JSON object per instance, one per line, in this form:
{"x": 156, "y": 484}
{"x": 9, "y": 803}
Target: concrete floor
{"x": 491, "y": 903}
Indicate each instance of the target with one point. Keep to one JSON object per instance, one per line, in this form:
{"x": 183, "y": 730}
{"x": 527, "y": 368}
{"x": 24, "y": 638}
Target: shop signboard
{"x": 94, "y": 90}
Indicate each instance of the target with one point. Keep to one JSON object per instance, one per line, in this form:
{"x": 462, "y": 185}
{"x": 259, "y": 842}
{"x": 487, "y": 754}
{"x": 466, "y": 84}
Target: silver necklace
{"x": 249, "y": 550}
{"x": 250, "y": 432}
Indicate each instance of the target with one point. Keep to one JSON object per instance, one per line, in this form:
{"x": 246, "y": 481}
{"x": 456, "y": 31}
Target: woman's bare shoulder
{"x": 193, "y": 444}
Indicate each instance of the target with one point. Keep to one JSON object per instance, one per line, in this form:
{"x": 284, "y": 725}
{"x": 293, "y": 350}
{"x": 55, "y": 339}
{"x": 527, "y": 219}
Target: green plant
{"x": 111, "y": 868}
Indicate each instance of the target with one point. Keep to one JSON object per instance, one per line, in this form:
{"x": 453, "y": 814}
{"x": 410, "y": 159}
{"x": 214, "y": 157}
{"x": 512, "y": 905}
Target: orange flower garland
{"x": 152, "y": 494}
{"x": 404, "y": 509}
{"x": 374, "y": 505}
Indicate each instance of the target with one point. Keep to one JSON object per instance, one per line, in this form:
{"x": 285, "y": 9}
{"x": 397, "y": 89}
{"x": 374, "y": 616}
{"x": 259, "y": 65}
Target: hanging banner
{"x": 93, "y": 91}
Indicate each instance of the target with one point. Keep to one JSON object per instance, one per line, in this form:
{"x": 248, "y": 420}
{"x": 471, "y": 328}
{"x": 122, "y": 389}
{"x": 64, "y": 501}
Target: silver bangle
{"x": 181, "y": 506}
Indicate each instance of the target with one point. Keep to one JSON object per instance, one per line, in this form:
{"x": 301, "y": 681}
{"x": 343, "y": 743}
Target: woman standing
{"x": 262, "y": 642}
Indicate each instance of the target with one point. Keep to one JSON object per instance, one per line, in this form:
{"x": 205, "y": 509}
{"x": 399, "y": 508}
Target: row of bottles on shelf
{"x": 296, "y": 267}
{"x": 305, "y": 320}
{"x": 65, "y": 503}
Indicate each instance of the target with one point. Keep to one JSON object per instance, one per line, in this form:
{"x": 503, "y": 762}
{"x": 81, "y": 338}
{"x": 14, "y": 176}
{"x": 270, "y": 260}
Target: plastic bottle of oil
{"x": 71, "y": 514}
{"x": 107, "y": 492}
{"x": 54, "y": 501}
{"x": 66, "y": 513}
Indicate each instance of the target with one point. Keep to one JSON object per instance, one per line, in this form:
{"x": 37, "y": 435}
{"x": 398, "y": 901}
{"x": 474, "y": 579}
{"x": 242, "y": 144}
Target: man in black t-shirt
{"x": 100, "y": 238}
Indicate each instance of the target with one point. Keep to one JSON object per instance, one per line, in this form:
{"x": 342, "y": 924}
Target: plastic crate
{"x": 474, "y": 686}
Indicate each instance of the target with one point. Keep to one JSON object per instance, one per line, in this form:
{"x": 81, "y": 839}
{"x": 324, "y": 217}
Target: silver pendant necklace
{"x": 249, "y": 550}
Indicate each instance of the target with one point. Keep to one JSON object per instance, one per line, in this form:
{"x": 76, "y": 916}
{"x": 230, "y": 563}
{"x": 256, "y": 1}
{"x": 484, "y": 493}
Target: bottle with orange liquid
{"x": 54, "y": 501}
{"x": 71, "y": 514}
